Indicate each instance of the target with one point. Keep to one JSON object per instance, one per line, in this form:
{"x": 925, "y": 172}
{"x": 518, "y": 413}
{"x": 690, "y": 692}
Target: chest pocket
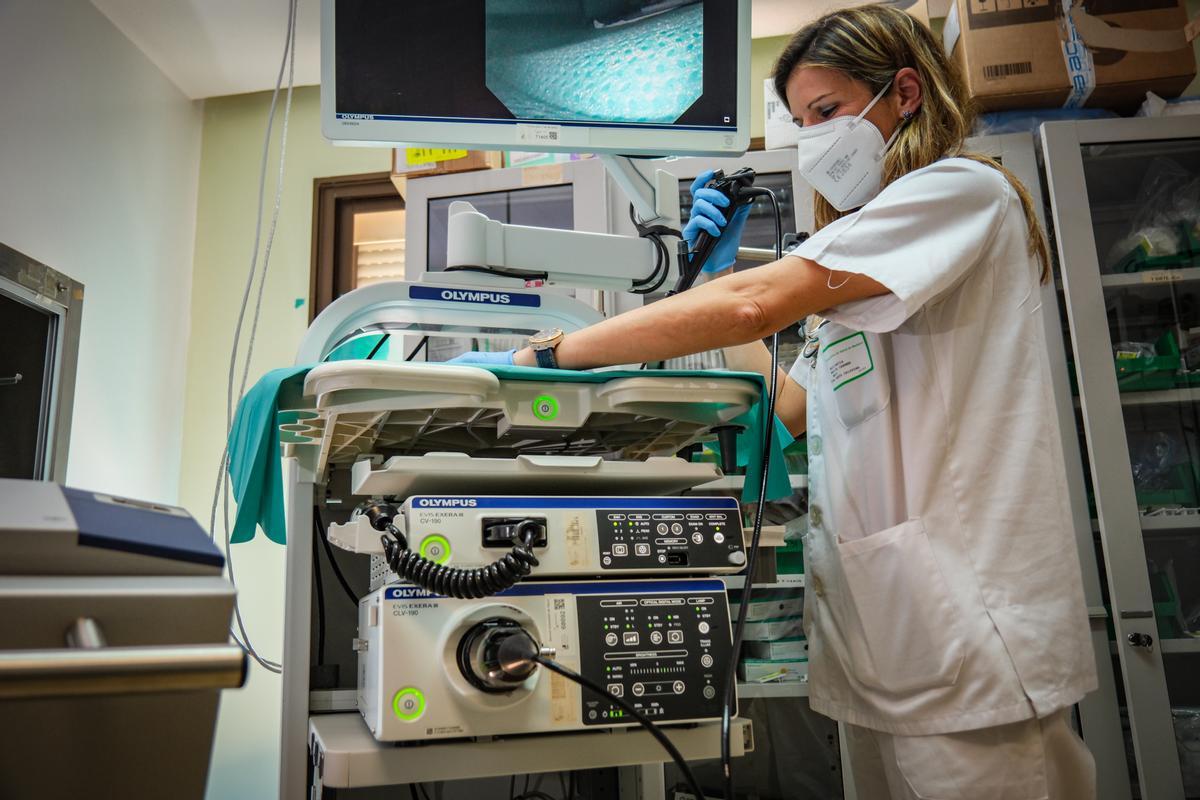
{"x": 852, "y": 371}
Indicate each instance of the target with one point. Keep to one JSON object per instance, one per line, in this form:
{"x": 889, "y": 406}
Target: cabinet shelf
{"x": 751, "y": 691}
{"x": 785, "y": 581}
{"x": 1164, "y": 523}
{"x": 1159, "y": 398}
{"x": 1158, "y": 277}
{"x": 737, "y": 482}
{"x": 349, "y": 757}
{"x": 1170, "y": 646}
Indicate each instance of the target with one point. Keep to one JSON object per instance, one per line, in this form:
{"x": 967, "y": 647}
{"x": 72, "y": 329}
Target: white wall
{"x": 99, "y": 163}
{"x": 246, "y": 752}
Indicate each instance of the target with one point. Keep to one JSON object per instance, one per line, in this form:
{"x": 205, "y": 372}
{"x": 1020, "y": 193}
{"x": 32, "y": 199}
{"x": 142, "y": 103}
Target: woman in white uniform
{"x": 945, "y": 612}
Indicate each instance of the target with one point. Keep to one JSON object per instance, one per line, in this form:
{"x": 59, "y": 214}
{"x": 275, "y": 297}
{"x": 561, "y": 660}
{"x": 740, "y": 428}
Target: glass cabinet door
{"x": 1126, "y": 201}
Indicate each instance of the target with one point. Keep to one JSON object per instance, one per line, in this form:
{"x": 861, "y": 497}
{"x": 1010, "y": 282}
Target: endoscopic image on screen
{"x": 595, "y": 60}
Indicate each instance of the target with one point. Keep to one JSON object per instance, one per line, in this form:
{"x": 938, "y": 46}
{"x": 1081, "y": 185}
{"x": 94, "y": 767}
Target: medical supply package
{"x": 1070, "y": 53}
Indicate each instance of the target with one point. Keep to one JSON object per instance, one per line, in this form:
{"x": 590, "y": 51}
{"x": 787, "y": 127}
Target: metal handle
{"x": 71, "y": 672}
{"x": 12, "y": 380}
{"x": 756, "y": 254}
{"x": 1143, "y": 640}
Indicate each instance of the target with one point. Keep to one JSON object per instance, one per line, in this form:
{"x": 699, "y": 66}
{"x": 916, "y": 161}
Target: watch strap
{"x": 545, "y": 357}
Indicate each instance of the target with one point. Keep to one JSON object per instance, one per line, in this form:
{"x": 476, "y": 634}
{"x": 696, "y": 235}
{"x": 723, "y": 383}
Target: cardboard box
{"x": 414, "y": 162}
{"x": 769, "y": 605}
{"x": 794, "y": 649}
{"x": 1099, "y": 54}
{"x": 755, "y": 670}
{"x": 778, "y": 128}
{"x": 770, "y": 630}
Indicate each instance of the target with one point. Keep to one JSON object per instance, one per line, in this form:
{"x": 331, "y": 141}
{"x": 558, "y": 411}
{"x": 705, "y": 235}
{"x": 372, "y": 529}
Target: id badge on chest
{"x": 848, "y": 359}
{"x": 851, "y": 369}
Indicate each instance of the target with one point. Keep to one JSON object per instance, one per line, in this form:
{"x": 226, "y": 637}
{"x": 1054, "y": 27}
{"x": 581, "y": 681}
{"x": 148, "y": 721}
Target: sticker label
{"x": 577, "y": 549}
{"x": 848, "y": 360}
{"x": 1162, "y": 276}
{"x": 560, "y": 613}
{"x": 561, "y": 617}
{"x": 1081, "y": 67}
{"x": 539, "y": 134}
{"x": 418, "y": 156}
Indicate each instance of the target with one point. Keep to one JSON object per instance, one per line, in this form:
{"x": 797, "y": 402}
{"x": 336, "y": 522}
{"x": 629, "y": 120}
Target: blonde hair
{"x": 871, "y": 44}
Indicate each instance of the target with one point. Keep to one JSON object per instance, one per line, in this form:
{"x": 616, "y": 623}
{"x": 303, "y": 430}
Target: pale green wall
{"x": 246, "y": 754}
{"x": 763, "y": 53}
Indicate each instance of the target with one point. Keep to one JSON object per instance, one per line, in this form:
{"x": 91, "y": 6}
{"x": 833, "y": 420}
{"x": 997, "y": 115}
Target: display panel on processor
{"x": 530, "y": 74}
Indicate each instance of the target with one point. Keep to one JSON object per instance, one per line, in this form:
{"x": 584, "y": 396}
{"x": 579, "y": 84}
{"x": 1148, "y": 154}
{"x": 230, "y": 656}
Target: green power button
{"x": 545, "y": 407}
{"x": 409, "y": 704}
{"x": 436, "y": 548}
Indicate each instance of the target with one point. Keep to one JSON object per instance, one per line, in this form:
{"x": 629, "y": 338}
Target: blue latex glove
{"x": 503, "y": 358}
{"x": 707, "y": 216}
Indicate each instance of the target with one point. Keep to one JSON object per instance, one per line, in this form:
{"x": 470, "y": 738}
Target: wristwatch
{"x": 543, "y": 344}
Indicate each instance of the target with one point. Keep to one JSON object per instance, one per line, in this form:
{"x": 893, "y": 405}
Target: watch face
{"x": 542, "y": 337}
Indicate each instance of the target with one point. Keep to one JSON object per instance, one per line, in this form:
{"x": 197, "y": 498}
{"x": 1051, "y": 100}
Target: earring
{"x": 908, "y": 115}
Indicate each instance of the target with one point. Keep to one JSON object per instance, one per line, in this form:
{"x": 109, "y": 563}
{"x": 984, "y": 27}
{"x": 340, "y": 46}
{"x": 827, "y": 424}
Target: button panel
{"x": 670, "y": 540}
{"x": 664, "y": 653}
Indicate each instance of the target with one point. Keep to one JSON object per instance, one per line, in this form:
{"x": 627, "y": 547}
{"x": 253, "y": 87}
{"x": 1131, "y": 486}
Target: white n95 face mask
{"x": 842, "y": 158}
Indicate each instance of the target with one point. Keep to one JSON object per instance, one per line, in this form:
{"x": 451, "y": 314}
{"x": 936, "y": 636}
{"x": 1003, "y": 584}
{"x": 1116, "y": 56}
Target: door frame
{"x": 335, "y": 202}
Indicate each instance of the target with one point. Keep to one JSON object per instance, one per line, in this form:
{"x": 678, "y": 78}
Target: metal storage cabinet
{"x": 1126, "y": 216}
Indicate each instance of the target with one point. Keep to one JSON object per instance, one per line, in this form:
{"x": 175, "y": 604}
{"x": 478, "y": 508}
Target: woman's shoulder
{"x": 960, "y": 173}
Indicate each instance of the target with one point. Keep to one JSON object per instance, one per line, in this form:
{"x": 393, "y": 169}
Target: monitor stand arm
{"x": 482, "y": 251}
{"x": 656, "y": 200}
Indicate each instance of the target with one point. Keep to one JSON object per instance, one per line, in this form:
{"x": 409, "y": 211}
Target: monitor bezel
{"x": 633, "y": 141}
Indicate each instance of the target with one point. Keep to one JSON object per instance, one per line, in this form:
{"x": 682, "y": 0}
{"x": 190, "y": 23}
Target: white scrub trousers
{"x": 1034, "y": 759}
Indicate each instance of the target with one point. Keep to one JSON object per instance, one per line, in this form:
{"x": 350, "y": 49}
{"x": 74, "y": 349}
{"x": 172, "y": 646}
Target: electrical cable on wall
{"x": 221, "y": 490}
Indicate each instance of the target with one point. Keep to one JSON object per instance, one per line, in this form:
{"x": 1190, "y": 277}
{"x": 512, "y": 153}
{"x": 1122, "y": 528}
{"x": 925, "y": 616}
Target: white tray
{"x": 436, "y": 473}
{"x": 379, "y": 408}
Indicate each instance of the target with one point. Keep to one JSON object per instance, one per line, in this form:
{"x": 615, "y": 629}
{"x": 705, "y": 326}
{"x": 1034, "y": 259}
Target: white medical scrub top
{"x": 944, "y": 583}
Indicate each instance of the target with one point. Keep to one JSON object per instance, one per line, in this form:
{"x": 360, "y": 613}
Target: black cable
{"x": 571, "y": 785}
{"x": 662, "y": 256}
{"x": 424, "y": 793}
{"x": 323, "y": 535}
{"x": 320, "y": 605}
{"x": 378, "y": 345}
{"x": 739, "y": 630}
{"x": 512, "y": 787}
{"x": 424, "y": 343}
{"x": 412, "y": 790}
{"x": 504, "y": 272}
{"x": 650, "y": 727}
{"x": 465, "y": 584}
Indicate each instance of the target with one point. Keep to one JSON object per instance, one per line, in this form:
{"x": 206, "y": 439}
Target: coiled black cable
{"x": 662, "y": 256}
{"x": 464, "y": 584}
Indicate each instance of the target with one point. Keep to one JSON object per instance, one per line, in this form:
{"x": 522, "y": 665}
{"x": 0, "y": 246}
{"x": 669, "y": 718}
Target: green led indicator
{"x": 435, "y": 548}
{"x": 545, "y": 407}
{"x": 408, "y": 704}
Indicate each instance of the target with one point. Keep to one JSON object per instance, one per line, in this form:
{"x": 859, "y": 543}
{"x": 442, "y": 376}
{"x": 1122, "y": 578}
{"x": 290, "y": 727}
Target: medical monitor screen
{"x": 539, "y": 66}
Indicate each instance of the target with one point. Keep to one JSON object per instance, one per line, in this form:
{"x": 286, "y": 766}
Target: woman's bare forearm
{"x": 791, "y": 401}
{"x": 733, "y": 310}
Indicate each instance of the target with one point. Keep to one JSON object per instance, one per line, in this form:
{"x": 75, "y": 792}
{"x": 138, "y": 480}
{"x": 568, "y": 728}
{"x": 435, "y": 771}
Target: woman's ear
{"x": 908, "y": 91}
